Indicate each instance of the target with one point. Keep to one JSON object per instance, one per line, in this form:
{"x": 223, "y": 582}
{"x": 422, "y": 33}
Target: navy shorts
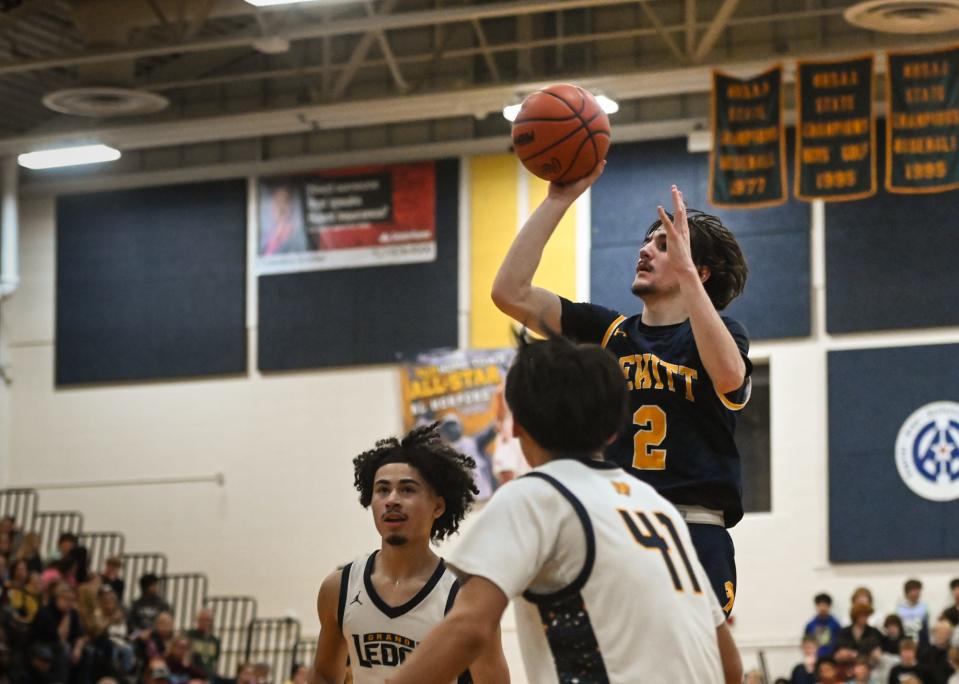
{"x": 715, "y": 549}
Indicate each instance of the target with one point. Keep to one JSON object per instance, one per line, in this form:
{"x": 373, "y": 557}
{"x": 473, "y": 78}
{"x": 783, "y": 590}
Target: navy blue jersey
{"x": 680, "y": 439}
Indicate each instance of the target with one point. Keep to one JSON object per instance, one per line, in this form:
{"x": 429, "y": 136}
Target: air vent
{"x": 905, "y": 16}
{"x": 104, "y": 102}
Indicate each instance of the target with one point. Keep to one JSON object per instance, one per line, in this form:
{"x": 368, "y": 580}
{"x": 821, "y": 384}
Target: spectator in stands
{"x": 826, "y": 671}
{"x": 6, "y": 546}
{"x": 57, "y": 625}
{"x": 63, "y": 570}
{"x": 111, "y": 576}
{"x": 892, "y": 633}
{"x": 754, "y": 677}
{"x": 862, "y": 672}
{"x": 245, "y": 674}
{"x": 179, "y": 660}
{"x": 145, "y": 609}
{"x": 29, "y": 550}
{"x": 205, "y": 646}
{"x": 261, "y": 671}
{"x": 22, "y": 598}
{"x": 824, "y": 628}
{"x": 156, "y": 672}
{"x": 299, "y": 674}
{"x": 66, "y": 542}
{"x": 805, "y": 672}
{"x": 860, "y": 636}
{"x": 40, "y": 665}
{"x": 935, "y": 656}
{"x": 952, "y": 612}
{"x": 113, "y": 638}
{"x": 914, "y": 613}
{"x": 88, "y": 602}
{"x": 152, "y": 643}
{"x": 845, "y": 659}
{"x": 954, "y": 662}
{"x": 8, "y": 525}
{"x": 908, "y": 663}
{"x": 5, "y": 564}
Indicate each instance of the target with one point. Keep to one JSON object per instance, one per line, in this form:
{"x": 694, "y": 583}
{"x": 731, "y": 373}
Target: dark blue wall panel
{"x": 873, "y": 515}
{"x": 366, "y": 315}
{"x": 151, "y": 283}
{"x": 891, "y": 261}
{"x": 776, "y": 302}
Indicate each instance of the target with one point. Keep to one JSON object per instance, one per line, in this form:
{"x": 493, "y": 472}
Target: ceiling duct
{"x": 905, "y": 16}
{"x": 104, "y": 91}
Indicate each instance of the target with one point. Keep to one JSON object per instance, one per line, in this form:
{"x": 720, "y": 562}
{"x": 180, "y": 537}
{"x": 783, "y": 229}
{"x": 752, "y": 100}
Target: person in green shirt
{"x": 205, "y": 646}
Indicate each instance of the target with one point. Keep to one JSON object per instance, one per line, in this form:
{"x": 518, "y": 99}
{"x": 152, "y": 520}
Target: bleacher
{"x": 245, "y": 636}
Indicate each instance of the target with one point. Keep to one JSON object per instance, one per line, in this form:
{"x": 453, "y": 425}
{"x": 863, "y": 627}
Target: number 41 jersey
{"x": 680, "y": 439}
{"x": 613, "y": 592}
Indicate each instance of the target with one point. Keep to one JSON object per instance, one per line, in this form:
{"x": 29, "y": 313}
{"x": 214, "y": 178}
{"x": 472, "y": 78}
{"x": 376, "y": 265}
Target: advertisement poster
{"x": 347, "y": 218}
{"x": 463, "y": 392}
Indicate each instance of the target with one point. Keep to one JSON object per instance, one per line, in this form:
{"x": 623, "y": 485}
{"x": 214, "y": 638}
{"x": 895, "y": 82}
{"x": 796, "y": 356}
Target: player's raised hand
{"x": 570, "y": 191}
{"x": 678, "y": 250}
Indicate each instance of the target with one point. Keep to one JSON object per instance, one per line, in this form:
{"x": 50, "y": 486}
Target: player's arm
{"x": 462, "y": 640}
{"x": 329, "y": 663}
{"x": 718, "y": 350}
{"x": 513, "y": 291}
{"x": 729, "y": 654}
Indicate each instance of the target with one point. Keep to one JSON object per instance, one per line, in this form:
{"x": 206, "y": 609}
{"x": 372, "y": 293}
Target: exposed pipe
{"x": 216, "y": 478}
{"x": 9, "y": 233}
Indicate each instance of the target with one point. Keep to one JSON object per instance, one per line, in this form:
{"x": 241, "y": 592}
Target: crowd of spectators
{"x": 909, "y": 645}
{"x": 61, "y": 622}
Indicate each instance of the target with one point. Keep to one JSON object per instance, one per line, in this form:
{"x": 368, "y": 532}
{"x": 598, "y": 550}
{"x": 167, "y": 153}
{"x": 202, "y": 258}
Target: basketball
{"x": 561, "y": 133}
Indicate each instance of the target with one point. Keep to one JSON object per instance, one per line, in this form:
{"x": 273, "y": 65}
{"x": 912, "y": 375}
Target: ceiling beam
{"x": 663, "y": 33}
{"x": 719, "y": 22}
{"x": 340, "y": 27}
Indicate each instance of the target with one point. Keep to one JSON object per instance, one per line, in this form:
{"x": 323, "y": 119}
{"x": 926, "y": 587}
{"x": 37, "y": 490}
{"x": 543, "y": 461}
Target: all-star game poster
{"x": 463, "y": 391}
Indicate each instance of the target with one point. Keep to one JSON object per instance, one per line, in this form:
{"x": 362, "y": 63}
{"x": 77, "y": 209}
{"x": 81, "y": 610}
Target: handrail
{"x": 217, "y": 478}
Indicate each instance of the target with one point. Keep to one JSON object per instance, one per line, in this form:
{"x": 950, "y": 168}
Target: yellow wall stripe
{"x": 557, "y": 270}
{"x": 493, "y": 198}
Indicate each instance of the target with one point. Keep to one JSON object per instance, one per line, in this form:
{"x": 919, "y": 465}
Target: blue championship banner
{"x": 835, "y": 130}
{"x": 922, "y": 130}
{"x": 893, "y": 454}
{"x": 747, "y": 162}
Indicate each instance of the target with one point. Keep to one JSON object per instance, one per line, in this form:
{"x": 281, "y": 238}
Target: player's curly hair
{"x": 713, "y": 245}
{"x": 448, "y": 473}
{"x": 570, "y": 398}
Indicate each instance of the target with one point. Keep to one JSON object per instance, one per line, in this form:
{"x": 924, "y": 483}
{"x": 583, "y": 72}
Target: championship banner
{"x": 347, "y": 218}
{"x": 922, "y": 128}
{"x": 463, "y": 391}
{"x": 747, "y": 166}
{"x": 835, "y": 130}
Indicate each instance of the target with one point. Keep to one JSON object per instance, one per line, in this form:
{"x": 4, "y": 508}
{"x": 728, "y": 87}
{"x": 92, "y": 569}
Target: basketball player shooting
{"x": 686, "y": 366}
{"x": 611, "y": 588}
{"x": 379, "y": 607}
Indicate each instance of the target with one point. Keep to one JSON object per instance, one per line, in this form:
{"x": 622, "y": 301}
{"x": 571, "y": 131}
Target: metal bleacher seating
{"x": 244, "y": 636}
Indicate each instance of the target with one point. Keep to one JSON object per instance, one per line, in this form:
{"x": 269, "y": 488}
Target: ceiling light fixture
{"x": 606, "y": 104}
{"x": 272, "y": 3}
{"x": 68, "y": 156}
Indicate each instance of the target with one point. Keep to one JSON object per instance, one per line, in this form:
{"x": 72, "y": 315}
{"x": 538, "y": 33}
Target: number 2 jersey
{"x": 612, "y": 590}
{"x": 681, "y": 437}
{"x": 379, "y": 636}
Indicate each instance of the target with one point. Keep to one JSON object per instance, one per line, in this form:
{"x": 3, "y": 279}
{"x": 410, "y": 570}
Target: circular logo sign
{"x": 927, "y": 451}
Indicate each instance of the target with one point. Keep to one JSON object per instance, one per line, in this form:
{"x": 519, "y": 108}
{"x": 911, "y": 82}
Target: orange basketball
{"x": 561, "y": 133}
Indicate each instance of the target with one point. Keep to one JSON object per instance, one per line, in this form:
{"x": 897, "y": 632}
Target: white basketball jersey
{"x": 612, "y": 590}
{"x": 380, "y": 636}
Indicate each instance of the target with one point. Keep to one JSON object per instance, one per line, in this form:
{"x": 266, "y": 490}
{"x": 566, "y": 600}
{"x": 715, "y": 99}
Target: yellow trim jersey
{"x": 680, "y": 436}
{"x": 611, "y": 589}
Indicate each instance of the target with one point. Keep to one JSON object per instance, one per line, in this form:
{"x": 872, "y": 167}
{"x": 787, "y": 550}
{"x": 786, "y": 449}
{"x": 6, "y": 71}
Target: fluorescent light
{"x": 68, "y": 156}
{"x": 510, "y": 111}
{"x": 271, "y": 3}
{"x": 609, "y": 106}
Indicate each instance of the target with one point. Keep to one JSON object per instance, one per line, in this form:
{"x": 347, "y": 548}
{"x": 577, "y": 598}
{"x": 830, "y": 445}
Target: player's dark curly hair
{"x": 570, "y": 398}
{"x": 713, "y": 245}
{"x": 448, "y": 473}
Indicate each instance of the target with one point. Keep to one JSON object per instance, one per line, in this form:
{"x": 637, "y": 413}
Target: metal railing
{"x": 51, "y": 524}
{"x": 232, "y": 617}
{"x": 273, "y": 641}
{"x": 304, "y": 651}
{"x": 135, "y": 565}
{"x": 186, "y": 594}
{"x": 21, "y": 504}
{"x": 100, "y": 546}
